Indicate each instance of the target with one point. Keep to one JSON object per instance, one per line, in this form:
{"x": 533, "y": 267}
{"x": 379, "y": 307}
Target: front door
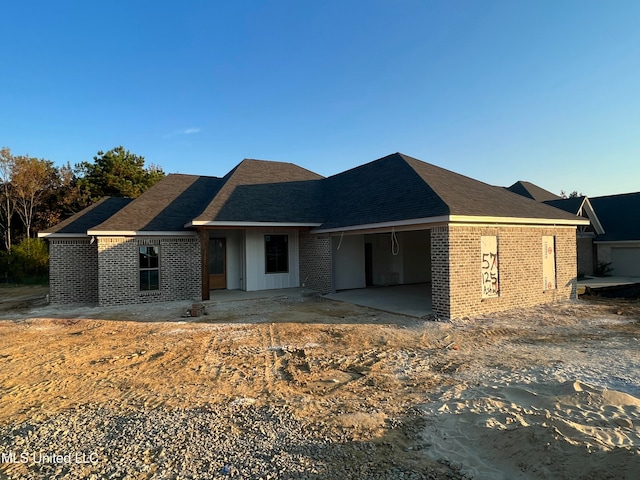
{"x": 217, "y": 263}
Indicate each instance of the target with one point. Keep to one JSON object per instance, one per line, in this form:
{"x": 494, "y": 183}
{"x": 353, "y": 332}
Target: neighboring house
{"x": 619, "y": 243}
{"x": 612, "y": 236}
{"x": 582, "y": 206}
{"x": 267, "y": 225}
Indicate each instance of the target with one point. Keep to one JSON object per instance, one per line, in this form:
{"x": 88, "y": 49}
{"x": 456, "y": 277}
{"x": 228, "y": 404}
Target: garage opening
{"x": 625, "y": 261}
{"x": 390, "y": 271}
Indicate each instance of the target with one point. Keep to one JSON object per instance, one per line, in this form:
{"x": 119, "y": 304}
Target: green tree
{"x": 32, "y": 180}
{"x": 573, "y": 194}
{"x": 63, "y": 200}
{"x": 117, "y": 173}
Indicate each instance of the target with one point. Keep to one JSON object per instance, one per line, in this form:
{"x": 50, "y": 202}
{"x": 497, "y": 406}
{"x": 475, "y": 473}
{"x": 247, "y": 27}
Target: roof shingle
{"x": 89, "y": 217}
{"x": 166, "y": 206}
{"x": 241, "y": 196}
{"x": 619, "y": 216}
{"x": 530, "y": 190}
{"x": 394, "y": 188}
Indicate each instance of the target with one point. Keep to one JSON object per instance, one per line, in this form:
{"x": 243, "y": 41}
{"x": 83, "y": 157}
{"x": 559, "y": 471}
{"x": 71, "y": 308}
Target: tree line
{"x": 35, "y": 194}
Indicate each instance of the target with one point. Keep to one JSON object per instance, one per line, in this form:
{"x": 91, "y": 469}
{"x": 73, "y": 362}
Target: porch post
{"x": 204, "y": 255}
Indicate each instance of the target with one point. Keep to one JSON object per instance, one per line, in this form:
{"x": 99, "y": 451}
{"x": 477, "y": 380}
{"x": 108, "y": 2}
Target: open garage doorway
{"x": 390, "y": 271}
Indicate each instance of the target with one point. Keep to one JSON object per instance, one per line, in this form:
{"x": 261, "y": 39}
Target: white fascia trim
{"x": 139, "y": 233}
{"x": 399, "y": 223}
{"x": 615, "y": 242}
{"x": 459, "y": 219}
{"x": 62, "y": 235}
{"x": 204, "y": 223}
{"x": 519, "y": 221}
{"x": 591, "y": 213}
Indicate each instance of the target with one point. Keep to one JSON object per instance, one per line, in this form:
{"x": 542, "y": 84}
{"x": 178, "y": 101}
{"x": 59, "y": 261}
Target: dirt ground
{"x": 344, "y": 366}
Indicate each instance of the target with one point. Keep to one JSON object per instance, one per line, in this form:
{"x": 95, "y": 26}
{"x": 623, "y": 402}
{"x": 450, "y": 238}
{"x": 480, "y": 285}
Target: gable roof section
{"x": 619, "y": 216}
{"x": 78, "y": 224}
{"x": 165, "y": 207}
{"x": 401, "y": 188}
{"x": 260, "y": 191}
{"x": 532, "y": 191}
{"x": 580, "y": 206}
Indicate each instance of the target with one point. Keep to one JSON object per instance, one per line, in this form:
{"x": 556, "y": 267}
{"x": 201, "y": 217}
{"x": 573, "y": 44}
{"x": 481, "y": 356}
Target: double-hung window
{"x": 276, "y": 249}
{"x": 149, "y": 268}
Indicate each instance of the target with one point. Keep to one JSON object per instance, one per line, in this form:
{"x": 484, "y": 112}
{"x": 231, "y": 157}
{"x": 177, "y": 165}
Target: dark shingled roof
{"x": 89, "y": 217}
{"x": 167, "y": 206}
{"x": 289, "y": 202}
{"x": 619, "y": 216}
{"x": 394, "y": 188}
{"x": 249, "y": 189}
{"x": 530, "y": 190}
{"x": 385, "y": 190}
{"x": 571, "y": 205}
{"x": 399, "y": 187}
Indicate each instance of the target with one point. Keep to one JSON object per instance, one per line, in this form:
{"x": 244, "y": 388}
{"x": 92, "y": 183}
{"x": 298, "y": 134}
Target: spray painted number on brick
{"x": 489, "y": 266}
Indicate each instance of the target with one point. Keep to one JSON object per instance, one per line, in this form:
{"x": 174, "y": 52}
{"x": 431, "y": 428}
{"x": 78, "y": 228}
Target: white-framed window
{"x": 276, "y": 250}
{"x": 149, "y": 265}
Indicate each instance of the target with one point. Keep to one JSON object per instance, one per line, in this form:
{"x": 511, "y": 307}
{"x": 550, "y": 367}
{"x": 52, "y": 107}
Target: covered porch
{"x": 248, "y": 259}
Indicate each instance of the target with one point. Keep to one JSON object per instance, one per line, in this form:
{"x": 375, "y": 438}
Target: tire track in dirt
{"x": 269, "y": 358}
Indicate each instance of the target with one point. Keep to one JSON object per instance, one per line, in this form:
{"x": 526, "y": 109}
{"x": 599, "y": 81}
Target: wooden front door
{"x": 217, "y": 263}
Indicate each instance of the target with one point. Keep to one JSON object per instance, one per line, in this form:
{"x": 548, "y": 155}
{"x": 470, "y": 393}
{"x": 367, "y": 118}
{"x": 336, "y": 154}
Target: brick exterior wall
{"x": 456, "y": 264}
{"x": 118, "y": 279}
{"x": 315, "y": 262}
{"x": 73, "y": 271}
{"x": 440, "y": 292}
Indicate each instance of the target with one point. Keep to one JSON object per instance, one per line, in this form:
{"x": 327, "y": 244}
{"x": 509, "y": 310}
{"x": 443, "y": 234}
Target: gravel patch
{"x": 238, "y": 440}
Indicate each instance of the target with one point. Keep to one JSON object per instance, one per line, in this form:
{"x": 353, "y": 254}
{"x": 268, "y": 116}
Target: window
{"x": 149, "y": 268}
{"x": 276, "y": 249}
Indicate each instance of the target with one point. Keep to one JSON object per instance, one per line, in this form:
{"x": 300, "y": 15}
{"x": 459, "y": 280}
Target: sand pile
{"x": 558, "y": 430}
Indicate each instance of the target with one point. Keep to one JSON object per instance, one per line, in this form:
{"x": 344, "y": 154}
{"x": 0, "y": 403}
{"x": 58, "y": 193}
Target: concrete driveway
{"x": 413, "y": 300}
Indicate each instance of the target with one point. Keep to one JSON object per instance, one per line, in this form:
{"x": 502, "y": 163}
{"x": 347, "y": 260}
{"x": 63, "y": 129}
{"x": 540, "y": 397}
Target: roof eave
{"x": 140, "y": 233}
{"x": 397, "y": 223}
{"x": 457, "y": 220}
{"x": 61, "y": 235}
{"x": 204, "y": 223}
{"x": 519, "y": 220}
{"x": 603, "y": 242}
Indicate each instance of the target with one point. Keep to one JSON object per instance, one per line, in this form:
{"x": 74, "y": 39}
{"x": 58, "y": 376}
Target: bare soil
{"x": 345, "y": 367}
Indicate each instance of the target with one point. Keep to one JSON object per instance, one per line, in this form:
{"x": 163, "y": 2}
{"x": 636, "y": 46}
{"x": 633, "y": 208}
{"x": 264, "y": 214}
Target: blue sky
{"x": 544, "y": 91}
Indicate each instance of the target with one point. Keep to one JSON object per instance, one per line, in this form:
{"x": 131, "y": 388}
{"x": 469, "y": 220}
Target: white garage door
{"x": 625, "y": 261}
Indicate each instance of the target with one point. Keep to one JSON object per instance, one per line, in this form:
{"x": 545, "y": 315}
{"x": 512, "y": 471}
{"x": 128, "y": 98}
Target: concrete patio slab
{"x": 412, "y": 300}
{"x": 599, "y": 282}
{"x": 235, "y": 295}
